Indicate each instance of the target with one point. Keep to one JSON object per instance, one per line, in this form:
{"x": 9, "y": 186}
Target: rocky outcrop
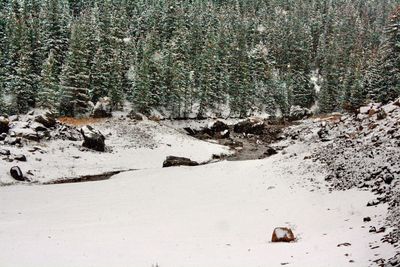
{"x": 93, "y": 139}
{"x": 217, "y": 129}
{"x": 252, "y": 125}
{"x": 172, "y": 161}
{"x": 282, "y": 234}
{"x": 47, "y": 119}
{"x": 103, "y": 108}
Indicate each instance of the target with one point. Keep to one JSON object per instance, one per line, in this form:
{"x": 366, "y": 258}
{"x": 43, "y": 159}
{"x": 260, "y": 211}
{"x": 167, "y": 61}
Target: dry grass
{"x": 80, "y": 121}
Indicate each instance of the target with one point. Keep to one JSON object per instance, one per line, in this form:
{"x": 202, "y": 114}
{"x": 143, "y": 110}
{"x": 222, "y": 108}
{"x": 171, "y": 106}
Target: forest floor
{"x": 221, "y": 213}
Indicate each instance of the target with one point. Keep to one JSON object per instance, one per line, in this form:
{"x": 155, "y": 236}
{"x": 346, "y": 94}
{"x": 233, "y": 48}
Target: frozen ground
{"x": 129, "y": 145}
{"x": 220, "y": 214}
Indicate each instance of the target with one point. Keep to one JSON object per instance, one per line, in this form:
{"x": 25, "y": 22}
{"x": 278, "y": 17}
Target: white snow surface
{"x": 220, "y": 214}
{"x": 130, "y": 145}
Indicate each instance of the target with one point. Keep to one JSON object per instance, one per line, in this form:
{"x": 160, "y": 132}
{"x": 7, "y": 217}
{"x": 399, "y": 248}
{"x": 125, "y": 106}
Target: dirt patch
{"x": 80, "y": 121}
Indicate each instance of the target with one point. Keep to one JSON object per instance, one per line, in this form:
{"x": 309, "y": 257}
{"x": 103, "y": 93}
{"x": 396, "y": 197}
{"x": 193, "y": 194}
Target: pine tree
{"x": 55, "y": 30}
{"x": 49, "y": 87}
{"x": 389, "y": 87}
{"x": 21, "y": 76}
{"x": 2, "y": 85}
{"x": 75, "y": 74}
{"x": 115, "y": 91}
{"x": 100, "y": 75}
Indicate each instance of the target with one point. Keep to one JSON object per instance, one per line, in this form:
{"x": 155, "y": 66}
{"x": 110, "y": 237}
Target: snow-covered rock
{"x": 93, "y": 139}
{"x": 282, "y": 234}
{"x": 103, "y": 108}
{"x": 16, "y": 173}
{"x": 47, "y": 119}
{"x": 172, "y": 161}
{"x": 253, "y": 125}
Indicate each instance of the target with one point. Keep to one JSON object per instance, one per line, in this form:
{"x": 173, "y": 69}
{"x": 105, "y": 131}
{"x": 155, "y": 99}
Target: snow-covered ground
{"x": 130, "y": 145}
{"x": 220, "y": 214}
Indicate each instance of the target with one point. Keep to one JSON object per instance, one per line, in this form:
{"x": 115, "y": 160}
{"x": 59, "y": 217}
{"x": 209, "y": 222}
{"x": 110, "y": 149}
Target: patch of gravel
{"x": 360, "y": 151}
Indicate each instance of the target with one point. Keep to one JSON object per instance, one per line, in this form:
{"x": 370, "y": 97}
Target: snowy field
{"x": 220, "y": 214}
{"x": 130, "y": 145}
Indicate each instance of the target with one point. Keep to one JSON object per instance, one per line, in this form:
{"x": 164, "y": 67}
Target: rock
{"x": 190, "y": 131}
{"x": 20, "y": 157}
{"x": 13, "y": 140}
{"x": 388, "y": 178}
{"x": 216, "y": 129}
{"x": 250, "y": 126}
{"x": 93, "y": 139}
{"x": 218, "y": 126}
{"x": 298, "y": 113}
{"x": 323, "y": 134}
{"x": 38, "y": 127}
{"x": 155, "y": 118}
{"x": 222, "y": 135}
{"x": 3, "y": 136}
{"x": 172, "y": 161}
{"x": 4, "y": 125}
{"x": 364, "y": 110}
{"x": 135, "y": 116}
{"x": 5, "y": 152}
{"x": 367, "y": 219}
{"x": 381, "y": 114}
{"x": 270, "y": 151}
{"x": 47, "y": 119}
{"x": 372, "y": 203}
{"x": 17, "y": 174}
{"x": 32, "y": 137}
{"x": 381, "y": 230}
{"x": 282, "y": 234}
{"x": 346, "y": 244}
{"x": 103, "y": 108}
{"x": 372, "y": 111}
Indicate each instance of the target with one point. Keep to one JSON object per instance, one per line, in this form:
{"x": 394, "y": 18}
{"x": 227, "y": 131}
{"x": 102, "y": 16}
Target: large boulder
{"x": 282, "y": 234}
{"x": 93, "y": 139}
{"x": 250, "y": 126}
{"x": 298, "y": 113}
{"x": 17, "y": 174}
{"x": 4, "y": 125}
{"x": 172, "y": 161}
{"x": 103, "y": 108}
{"x": 47, "y": 119}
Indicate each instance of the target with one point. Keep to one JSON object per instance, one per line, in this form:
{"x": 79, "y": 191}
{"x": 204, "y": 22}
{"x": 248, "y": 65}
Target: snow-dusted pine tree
{"x": 75, "y": 74}
{"x": 49, "y": 85}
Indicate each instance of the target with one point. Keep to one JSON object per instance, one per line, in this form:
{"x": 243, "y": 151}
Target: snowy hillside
{"x": 222, "y": 213}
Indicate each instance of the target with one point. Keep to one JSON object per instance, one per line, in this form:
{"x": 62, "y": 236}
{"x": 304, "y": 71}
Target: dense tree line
{"x": 181, "y": 57}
